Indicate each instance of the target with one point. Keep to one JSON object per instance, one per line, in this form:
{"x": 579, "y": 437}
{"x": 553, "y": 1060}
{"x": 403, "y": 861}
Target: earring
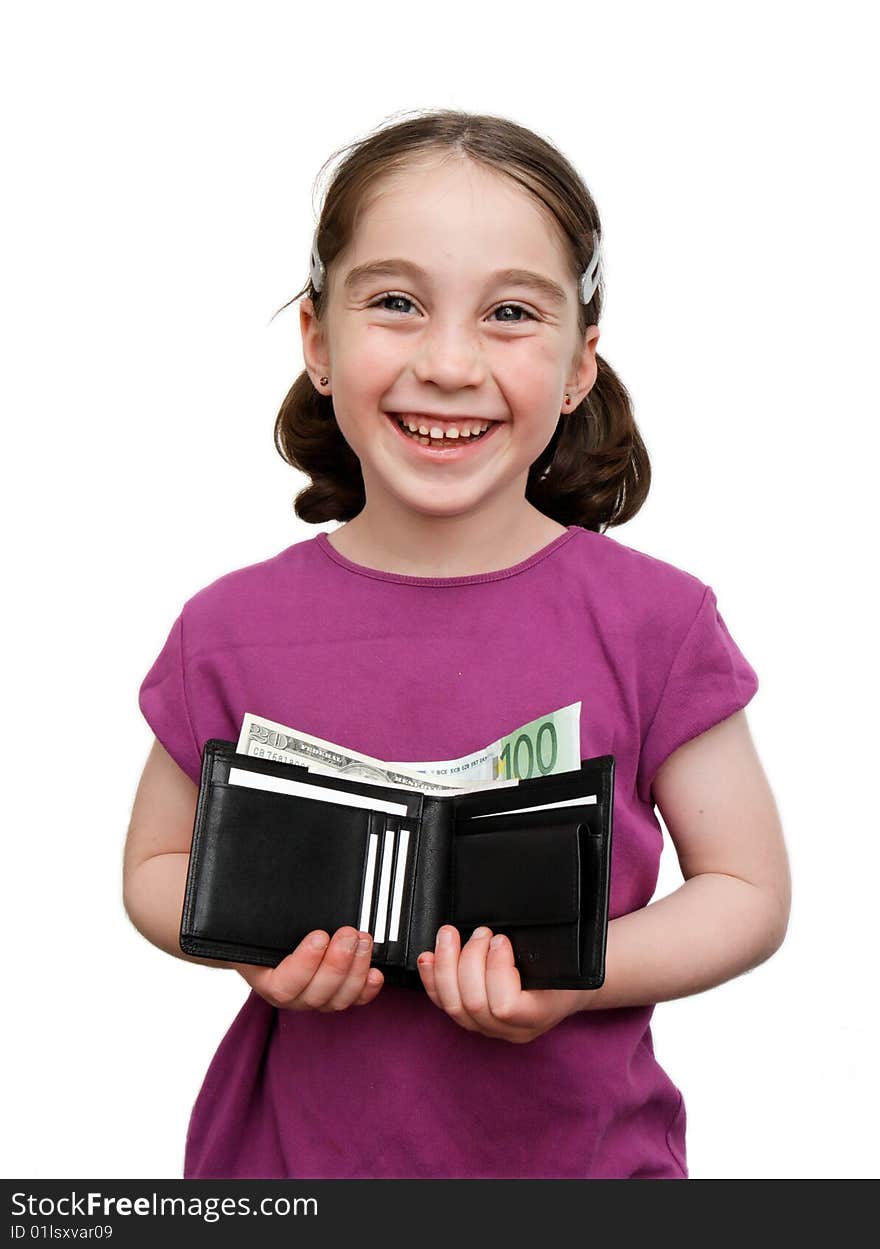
{"x": 324, "y": 380}
{"x": 566, "y": 398}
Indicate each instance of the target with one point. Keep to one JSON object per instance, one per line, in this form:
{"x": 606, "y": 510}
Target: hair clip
{"x": 316, "y": 264}
{"x": 589, "y": 277}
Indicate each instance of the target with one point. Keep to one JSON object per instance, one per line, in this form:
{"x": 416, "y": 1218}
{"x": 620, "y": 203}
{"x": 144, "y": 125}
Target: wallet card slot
{"x": 594, "y": 779}
{"x": 383, "y": 892}
{"x": 269, "y": 868}
{"x": 401, "y": 864}
{"x": 566, "y": 813}
{"x": 586, "y": 801}
{"x": 311, "y": 791}
{"x": 368, "y": 882}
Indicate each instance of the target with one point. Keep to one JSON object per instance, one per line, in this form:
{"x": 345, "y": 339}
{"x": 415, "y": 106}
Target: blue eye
{"x": 519, "y": 308}
{"x": 384, "y": 299}
{"x": 404, "y": 299}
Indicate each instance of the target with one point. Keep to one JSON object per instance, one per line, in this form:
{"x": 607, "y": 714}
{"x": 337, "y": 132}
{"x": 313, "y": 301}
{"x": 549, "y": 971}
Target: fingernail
{"x": 480, "y": 932}
{"x": 496, "y": 941}
{"x": 348, "y": 943}
{"x": 319, "y": 940}
{"x": 444, "y": 936}
{"x": 363, "y": 945}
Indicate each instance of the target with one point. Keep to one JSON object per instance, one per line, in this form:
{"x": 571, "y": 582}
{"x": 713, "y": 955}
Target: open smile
{"x": 459, "y": 438}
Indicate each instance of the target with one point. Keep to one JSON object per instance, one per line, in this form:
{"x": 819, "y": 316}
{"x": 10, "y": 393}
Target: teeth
{"x": 425, "y": 434}
{"x": 437, "y": 432}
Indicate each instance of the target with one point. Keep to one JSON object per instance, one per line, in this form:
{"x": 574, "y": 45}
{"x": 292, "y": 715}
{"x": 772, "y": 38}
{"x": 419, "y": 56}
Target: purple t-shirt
{"x": 422, "y": 668}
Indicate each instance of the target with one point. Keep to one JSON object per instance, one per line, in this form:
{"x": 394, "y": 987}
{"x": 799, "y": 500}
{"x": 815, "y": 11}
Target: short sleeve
{"x": 708, "y": 681}
{"x": 163, "y": 703}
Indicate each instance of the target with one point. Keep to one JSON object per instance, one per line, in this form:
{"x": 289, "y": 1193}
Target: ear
{"x": 315, "y": 354}
{"x": 584, "y": 368}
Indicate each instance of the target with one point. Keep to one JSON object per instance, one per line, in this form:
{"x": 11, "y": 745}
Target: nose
{"x": 449, "y": 355}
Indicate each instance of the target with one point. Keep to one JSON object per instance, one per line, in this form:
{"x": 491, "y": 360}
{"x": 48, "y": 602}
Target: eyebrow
{"x": 518, "y": 277}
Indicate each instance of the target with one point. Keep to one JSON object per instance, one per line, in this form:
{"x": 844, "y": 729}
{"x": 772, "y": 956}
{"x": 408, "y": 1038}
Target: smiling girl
{"x": 454, "y": 414}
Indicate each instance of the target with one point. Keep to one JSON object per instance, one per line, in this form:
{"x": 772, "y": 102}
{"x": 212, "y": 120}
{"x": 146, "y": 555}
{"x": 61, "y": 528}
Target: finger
{"x": 332, "y": 971}
{"x": 426, "y": 970}
{"x": 504, "y": 989}
{"x": 281, "y": 985}
{"x": 374, "y": 983}
{"x": 447, "y": 950}
{"x": 354, "y": 983}
{"x": 472, "y": 976}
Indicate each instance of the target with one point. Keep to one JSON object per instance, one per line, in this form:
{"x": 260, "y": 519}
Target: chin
{"x": 440, "y": 504}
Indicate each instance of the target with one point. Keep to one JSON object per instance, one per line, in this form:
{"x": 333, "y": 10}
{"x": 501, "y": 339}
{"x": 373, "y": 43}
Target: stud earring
{"x": 324, "y": 380}
{"x": 566, "y": 398}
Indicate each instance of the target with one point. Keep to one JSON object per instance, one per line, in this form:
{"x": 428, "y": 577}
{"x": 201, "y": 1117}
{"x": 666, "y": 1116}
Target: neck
{"x": 398, "y": 540}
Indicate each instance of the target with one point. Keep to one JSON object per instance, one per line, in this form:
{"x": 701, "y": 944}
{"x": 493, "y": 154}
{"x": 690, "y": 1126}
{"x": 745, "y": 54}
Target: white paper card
{"x": 384, "y": 882}
{"x": 369, "y": 877}
{"x": 281, "y": 785}
{"x": 546, "y": 806}
{"x": 399, "y": 877}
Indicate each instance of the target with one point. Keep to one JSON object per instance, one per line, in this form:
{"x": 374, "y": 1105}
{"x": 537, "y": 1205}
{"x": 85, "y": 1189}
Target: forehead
{"x": 455, "y": 213}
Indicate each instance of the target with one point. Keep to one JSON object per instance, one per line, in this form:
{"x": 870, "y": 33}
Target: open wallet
{"x": 279, "y": 850}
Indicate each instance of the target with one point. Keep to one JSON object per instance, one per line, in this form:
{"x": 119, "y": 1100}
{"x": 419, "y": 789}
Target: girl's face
{"x": 422, "y": 324}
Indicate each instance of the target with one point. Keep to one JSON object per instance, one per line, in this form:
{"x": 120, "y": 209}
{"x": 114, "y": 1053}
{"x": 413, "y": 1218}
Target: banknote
{"x": 266, "y": 739}
{"x": 549, "y": 744}
{"x": 546, "y": 745}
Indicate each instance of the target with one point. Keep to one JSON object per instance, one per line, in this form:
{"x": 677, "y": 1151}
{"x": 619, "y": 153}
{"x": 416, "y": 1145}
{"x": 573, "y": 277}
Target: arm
{"x": 330, "y": 974}
{"x": 731, "y": 914}
{"x": 156, "y": 853}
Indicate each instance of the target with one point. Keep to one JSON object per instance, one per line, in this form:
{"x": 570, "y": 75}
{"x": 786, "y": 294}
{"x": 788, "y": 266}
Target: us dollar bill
{"x": 266, "y": 739}
{"x": 546, "y": 745}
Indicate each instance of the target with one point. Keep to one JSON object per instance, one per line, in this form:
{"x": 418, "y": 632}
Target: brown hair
{"x": 594, "y": 471}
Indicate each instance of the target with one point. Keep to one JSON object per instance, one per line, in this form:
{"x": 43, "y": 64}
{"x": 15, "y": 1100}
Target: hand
{"x": 321, "y": 974}
{"x": 480, "y": 988}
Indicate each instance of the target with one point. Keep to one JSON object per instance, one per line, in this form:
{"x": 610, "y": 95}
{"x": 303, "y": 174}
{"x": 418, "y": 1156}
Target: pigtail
{"x": 595, "y": 471}
{"x": 308, "y": 438}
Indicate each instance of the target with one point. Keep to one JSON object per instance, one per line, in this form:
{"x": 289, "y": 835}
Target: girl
{"x": 455, "y": 415}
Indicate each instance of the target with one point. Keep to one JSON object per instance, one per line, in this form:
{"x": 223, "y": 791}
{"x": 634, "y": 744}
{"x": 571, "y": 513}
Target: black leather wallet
{"x": 278, "y": 851}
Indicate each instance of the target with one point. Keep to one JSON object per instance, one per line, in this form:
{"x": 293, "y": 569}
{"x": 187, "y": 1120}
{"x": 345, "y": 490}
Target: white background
{"x": 159, "y": 162}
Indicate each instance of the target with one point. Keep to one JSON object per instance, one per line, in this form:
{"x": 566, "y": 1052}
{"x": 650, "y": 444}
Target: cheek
{"x": 532, "y": 377}
{"x": 367, "y": 365}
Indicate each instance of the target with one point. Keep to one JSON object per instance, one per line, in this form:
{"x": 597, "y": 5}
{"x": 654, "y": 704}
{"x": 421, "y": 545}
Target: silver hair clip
{"x": 316, "y": 264}
{"x": 589, "y": 277}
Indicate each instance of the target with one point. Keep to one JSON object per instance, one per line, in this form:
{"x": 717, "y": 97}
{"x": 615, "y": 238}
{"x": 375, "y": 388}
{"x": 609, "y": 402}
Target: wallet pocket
{"x": 519, "y": 876}
{"x": 542, "y": 887}
{"x": 268, "y": 868}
